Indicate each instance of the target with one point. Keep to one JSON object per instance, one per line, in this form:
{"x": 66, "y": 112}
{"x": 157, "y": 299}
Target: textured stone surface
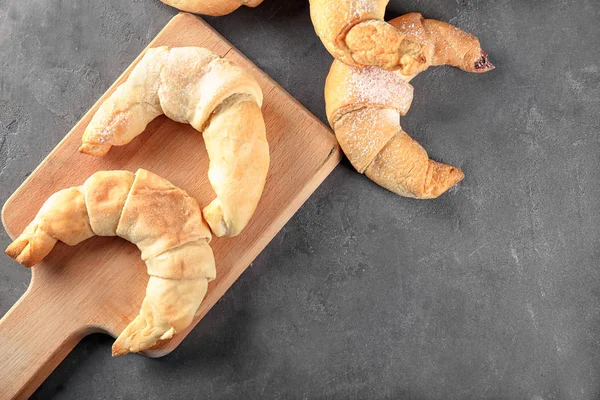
{"x": 492, "y": 291}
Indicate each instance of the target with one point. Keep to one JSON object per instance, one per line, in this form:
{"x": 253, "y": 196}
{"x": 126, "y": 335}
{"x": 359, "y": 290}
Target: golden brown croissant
{"x": 355, "y": 33}
{"x": 211, "y": 7}
{"x": 163, "y": 221}
{"x": 364, "y": 107}
{"x": 193, "y": 85}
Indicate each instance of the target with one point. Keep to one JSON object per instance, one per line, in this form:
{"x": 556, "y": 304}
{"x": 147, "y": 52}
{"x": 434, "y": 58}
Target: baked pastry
{"x": 211, "y": 7}
{"x": 163, "y": 221}
{"x": 193, "y": 85}
{"x": 364, "y": 107}
{"x": 355, "y": 33}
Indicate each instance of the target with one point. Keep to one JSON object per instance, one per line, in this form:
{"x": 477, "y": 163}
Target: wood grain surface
{"x": 98, "y": 285}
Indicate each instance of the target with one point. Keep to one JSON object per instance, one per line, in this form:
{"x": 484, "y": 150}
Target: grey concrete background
{"x": 492, "y": 291}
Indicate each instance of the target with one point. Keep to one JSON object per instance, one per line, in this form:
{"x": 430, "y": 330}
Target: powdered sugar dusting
{"x": 358, "y": 7}
{"x": 110, "y": 127}
{"x": 354, "y": 8}
{"x": 375, "y": 86}
{"x": 363, "y": 133}
{"x": 186, "y": 84}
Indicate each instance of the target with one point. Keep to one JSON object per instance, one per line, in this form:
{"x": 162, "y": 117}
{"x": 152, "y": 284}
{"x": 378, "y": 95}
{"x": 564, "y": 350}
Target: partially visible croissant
{"x": 162, "y": 220}
{"x": 364, "y": 107}
{"x": 211, "y": 7}
{"x": 355, "y": 33}
{"x": 193, "y": 85}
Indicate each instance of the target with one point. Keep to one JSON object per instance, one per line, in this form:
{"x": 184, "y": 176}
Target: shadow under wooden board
{"x": 98, "y": 285}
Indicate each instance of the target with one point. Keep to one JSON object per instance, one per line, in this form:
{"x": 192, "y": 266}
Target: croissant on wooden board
{"x": 211, "y": 7}
{"x": 193, "y": 85}
{"x": 364, "y": 106}
{"x": 163, "y": 221}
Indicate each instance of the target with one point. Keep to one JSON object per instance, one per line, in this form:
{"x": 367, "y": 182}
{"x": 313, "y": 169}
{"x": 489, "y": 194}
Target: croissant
{"x": 193, "y": 85}
{"x": 355, "y": 33}
{"x": 211, "y": 7}
{"x": 163, "y": 221}
{"x": 364, "y": 106}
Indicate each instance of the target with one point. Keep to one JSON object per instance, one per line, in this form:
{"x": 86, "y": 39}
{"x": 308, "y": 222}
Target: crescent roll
{"x": 364, "y": 106}
{"x": 163, "y": 221}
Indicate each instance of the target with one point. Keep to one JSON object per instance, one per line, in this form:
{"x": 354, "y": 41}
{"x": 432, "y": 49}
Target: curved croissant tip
{"x": 483, "y": 64}
{"x": 457, "y": 174}
{"x": 98, "y": 150}
{"x": 119, "y": 351}
{"x": 16, "y": 250}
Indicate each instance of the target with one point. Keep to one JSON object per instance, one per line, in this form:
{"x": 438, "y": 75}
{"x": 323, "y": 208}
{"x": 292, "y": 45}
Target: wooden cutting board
{"x": 98, "y": 286}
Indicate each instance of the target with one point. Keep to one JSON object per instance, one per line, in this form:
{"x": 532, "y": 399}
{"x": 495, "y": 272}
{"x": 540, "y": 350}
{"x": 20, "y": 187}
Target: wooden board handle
{"x": 34, "y": 339}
